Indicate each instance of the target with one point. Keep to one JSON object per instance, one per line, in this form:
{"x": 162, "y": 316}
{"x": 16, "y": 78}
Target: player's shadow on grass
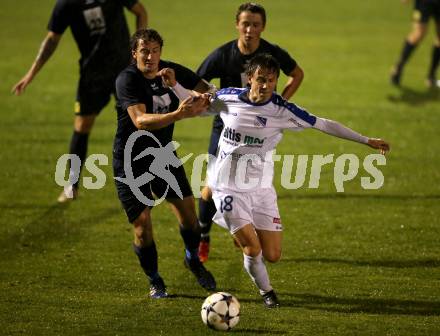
{"x": 187, "y": 296}
{"x": 362, "y": 305}
{"x": 416, "y": 263}
{"x": 202, "y": 296}
{"x": 259, "y": 331}
{"x": 347, "y": 305}
{"x": 415, "y": 98}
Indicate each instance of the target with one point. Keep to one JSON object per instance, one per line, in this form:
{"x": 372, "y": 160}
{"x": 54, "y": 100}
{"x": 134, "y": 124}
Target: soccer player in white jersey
{"x": 254, "y": 120}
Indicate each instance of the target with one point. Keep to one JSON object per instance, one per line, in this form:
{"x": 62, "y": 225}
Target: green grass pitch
{"x": 362, "y": 262}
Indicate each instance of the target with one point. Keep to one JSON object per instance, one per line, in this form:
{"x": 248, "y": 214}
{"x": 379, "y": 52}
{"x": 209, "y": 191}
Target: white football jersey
{"x": 250, "y": 134}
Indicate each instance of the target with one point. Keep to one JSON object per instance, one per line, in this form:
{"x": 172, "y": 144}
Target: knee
{"x": 206, "y": 193}
{"x": 142, "y": 236}
{"x": 84, "y": 124}
{"x": 189, "y": 220}
{"x": 85, "y": 129}
{"x": 251, "y": 251}
{"x": 272, "y": 256}
{"x": 143, "y": 233}
{"x": 416, "y": 36}
{"x": 190, "y": 223}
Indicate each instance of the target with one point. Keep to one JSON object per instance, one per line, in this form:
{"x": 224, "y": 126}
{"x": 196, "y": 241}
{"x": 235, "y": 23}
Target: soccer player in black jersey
{"x": 101, "y": 33}
{"x": 423, "y": 11}
{"x": 228, "y": 63}
{"x": 145, "y": 102}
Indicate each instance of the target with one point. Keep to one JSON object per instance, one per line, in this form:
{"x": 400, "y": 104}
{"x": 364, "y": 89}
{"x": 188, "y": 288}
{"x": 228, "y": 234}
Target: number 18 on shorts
{"x": 237, "y": 209}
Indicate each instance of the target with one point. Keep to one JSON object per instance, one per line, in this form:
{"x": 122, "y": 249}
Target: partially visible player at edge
{"x": 101, "y": 33}
{"x": 423, "y": 11}
{"x": 228, "y": 64}
{"x": 248, "y": 209}
{"x": 145, "y": 102}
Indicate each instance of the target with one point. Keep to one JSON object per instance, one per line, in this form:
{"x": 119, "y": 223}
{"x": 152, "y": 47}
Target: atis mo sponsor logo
{"x": 233, "y": 136}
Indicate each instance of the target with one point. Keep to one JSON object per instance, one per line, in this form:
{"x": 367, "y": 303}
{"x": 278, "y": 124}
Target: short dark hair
{"x": 146, "y": 35}
{"x": 263, "y": 61}
{"x": 252, "y": 7}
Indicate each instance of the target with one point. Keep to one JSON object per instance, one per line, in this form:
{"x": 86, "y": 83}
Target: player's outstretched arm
{"x": 193, "y": 106}
{"x": 141, "y": 15}
{"x": 47, "y": 48}
{"x": 190, "y": 107}
{"x": 336, "y": 129}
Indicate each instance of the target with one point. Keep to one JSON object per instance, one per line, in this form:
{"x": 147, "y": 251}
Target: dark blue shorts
{"x": 93, "y": 94}
{"x": 424, "y": 9}
{"x": 132, "y": 205}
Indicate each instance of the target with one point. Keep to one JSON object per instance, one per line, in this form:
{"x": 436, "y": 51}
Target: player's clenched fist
{"x": 168, "y": 76}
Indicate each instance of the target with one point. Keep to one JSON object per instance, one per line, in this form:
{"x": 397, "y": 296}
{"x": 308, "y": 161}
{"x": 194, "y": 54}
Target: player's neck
{"x": 247, "y": 48}
{"x": 253, "y": 97}
{"x": 150, "y": 74}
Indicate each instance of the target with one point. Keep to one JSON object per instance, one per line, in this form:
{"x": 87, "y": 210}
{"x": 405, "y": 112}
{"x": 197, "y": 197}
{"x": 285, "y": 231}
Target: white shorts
{"x": 237, "y": 209}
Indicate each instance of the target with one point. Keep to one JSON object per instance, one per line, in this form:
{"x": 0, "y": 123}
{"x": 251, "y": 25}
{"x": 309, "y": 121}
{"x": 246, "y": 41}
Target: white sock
{"x": 257, "y": 271}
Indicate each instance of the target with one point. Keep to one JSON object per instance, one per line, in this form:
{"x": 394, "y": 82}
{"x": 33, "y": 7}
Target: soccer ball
{"x": 221, "y": 311}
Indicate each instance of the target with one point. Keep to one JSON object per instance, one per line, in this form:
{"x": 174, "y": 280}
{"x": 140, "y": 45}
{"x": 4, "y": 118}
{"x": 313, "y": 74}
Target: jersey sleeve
{"x": 287, "y": 63}
{"x": 216, "y": 107}
{"x": 218, "y": 104}
{"x": 60, "y": 18}
{"x": 209, "y": 68}
{"x": 129, "y": 3}
{"x": 128, "y": 90}
{"x": 186, "y": 77}
{"x": 338, "y": 130}
{"x": 296, "y": 118}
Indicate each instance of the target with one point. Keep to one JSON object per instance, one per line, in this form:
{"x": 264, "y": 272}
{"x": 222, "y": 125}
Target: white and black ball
{"x": 221, "y": 311}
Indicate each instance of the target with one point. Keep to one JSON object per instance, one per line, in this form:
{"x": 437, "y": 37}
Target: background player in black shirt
{"x": 101, "y": 34}
{"x": 144, "y": 102}
{"x": 228, "y": 64}
{"x": 423, "y": 10}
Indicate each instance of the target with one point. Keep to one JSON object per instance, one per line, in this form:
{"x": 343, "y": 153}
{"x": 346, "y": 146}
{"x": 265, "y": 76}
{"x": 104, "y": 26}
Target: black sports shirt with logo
{"x": 100, "y": 30}
{"x": 228, "y": 64}
{"x": 133, "y": 88}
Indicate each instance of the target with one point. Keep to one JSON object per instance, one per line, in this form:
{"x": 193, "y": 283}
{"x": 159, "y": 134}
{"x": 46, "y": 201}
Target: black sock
{"x": 434, "y": 62}
{"x": 78, "y": 146}
{"x": 207, "y": 210}
{"x": 191, "y": 240}
{"x": 148, "y": 260}
{"x": 407, "y": 50}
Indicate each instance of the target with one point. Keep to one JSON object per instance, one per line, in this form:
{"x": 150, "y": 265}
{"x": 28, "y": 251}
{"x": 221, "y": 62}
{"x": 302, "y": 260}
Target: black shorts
{"x": 93, "y": 94}
{"x": 132, "y": 205}
{"x": 216, "y": 133}
{"x": 424, "y": 9}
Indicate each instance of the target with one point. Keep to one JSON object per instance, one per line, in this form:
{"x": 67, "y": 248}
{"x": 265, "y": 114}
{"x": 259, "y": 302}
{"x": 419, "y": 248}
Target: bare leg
{"x": 270, "y": 244}
{"x": 249, "y": 241}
